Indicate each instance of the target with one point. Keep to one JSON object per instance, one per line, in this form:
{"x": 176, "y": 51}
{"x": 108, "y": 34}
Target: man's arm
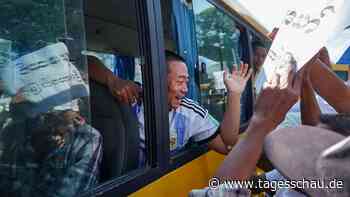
{"x": 310, "y": 111}
{"x": 98, "y": 72}
{"x": 271, "y": 107}
{"x": 218, "y": 145}
{"x": 229, "y": 127}
{"x": 241, "y": 161}
{"x": 330, "y": 87}
{"x": 124, "y": 90}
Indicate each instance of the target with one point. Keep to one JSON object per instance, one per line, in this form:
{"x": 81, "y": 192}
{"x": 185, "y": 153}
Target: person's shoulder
{"x": 191, "y": 106}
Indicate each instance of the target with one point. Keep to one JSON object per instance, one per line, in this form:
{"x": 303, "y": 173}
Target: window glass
{"x": 47, "y": 146}
{"x": 111, "y": 62}
{"x": 218, "y": 41}
{"x": 342, "y": 74}
{"x": 108, "y": 59}
{"x": 115, "y": 78}
{"x": 190, "y": 124}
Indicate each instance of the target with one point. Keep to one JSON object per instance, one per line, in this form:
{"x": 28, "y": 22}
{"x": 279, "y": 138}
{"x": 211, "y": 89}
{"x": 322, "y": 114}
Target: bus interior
{"x": 129, "y": 38}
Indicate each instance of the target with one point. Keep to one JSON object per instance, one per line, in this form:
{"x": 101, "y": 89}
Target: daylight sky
{"x": 270, "y": 12}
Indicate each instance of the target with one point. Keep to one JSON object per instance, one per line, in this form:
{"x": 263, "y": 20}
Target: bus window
{"x": 342, "y": 74}
{"x": 218, "y": 41}
{"x": 115, "y": 76}
{"x": 47, "y": 147}
{"x": 189, "y": 123}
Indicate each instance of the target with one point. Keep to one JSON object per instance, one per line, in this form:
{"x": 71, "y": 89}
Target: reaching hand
{"x": 238, "y": 79}
{"x": 124, "y": 90}
{"x": 276, "y": 99}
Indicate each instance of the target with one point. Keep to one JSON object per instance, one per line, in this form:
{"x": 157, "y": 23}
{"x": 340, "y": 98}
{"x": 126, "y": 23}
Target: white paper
{"x": 41, "y": 74}
{"x": 304, "y": 31}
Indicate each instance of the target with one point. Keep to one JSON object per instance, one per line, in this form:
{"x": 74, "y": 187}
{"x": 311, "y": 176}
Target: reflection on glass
{"x": 46, "y": 146}
{"x": 218, "y": 46}
{"x": 116, "y": 99}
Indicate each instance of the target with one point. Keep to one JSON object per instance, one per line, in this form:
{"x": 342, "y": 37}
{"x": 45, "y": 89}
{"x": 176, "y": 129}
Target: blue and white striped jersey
{"x": 188, "y": 122}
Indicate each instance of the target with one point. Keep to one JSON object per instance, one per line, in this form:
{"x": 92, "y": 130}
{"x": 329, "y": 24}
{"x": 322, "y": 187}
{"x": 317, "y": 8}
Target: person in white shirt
{"x": 188, "y": 121}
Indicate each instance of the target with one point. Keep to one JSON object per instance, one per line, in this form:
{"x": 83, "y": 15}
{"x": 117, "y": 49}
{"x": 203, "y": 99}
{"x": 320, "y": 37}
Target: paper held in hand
{"x": 303, "y": 32}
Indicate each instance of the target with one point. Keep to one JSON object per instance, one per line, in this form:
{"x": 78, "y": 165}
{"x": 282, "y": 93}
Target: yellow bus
{"x": 62, "y": 134}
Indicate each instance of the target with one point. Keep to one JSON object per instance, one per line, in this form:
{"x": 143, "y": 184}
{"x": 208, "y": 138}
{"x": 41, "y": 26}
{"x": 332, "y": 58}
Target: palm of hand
{"x": 236, "y": 83}
{"x": 238, "y": 79}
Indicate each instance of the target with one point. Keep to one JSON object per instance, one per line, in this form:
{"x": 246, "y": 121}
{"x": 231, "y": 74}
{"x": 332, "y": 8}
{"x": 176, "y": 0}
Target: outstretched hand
{"x": 236, "y": 82}
{"x": 277, "y": 97}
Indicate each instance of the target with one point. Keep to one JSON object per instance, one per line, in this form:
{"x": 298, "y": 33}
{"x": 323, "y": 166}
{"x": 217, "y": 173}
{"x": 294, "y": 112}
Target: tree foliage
{"x": 217, "y": 36}
{"x": 31, "y": 24}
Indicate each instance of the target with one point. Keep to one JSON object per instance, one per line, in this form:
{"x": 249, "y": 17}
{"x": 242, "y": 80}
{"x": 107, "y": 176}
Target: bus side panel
{"x": 193, "y": 175}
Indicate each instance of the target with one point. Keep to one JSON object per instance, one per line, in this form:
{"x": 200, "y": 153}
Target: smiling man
{"x": 188, "y": 121}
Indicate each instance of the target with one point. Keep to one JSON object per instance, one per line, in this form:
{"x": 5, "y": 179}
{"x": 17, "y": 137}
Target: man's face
{"x": 177, "y": 82}
{"x": 259, "y": 57}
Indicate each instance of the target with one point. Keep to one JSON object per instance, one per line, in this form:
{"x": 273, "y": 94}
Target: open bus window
{"x": 185, "y": 114}
{"x": 115, "y": 76}
{"x": 47, "y": 147}
{"x": 218, "y": 41}
{"x": 190, "y": 124}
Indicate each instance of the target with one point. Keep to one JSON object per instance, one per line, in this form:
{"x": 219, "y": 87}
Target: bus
{"x": 341, "y": 68}
{"x": 63, "y": 134}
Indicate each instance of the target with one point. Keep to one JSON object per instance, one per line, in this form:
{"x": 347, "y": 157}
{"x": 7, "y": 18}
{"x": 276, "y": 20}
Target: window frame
{"x": 150, "y": 35}
{"x": 151, "y": 39}
{"x": 194, "y": 152}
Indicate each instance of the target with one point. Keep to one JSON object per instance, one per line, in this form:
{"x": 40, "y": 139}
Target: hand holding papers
{"x": 304, "y": 31}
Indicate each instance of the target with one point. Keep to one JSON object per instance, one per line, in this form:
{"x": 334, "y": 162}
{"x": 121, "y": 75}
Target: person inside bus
{"x": 259, "y": 55}
{"x": 188, "y": 121}
{"x": 55, "y": 153}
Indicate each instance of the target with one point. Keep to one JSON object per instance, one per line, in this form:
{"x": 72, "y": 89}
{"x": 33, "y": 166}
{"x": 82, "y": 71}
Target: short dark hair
{"x": 171, "y": 56}
{"x": 257, "y": 44}
{"x": 339, "y": 123}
